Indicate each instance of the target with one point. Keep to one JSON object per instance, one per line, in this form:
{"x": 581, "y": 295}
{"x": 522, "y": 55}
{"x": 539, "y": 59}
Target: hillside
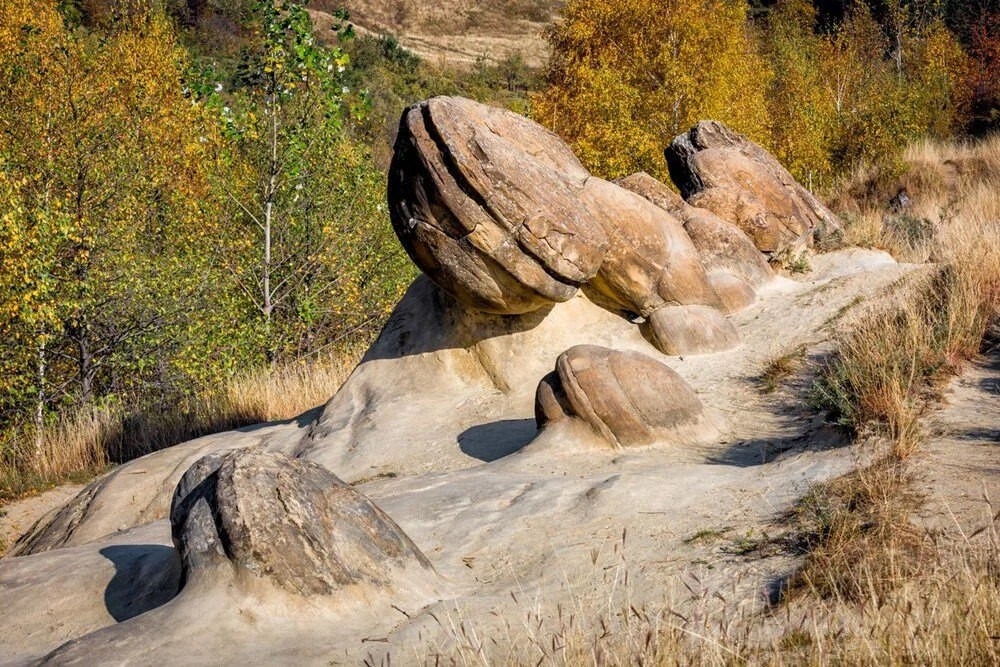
{"x": 453, "y": 31}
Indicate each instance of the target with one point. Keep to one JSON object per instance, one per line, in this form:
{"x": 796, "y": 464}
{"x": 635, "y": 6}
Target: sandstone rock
{"x": 734, "y": 293}
{"x": 653, "y": 191}
{"x": 289, "y": 521}
{"x": 723, "y": 171}
{"x": 651, "y": 264}
{"x": 487, "y": 203}
{"x": 721, "y": 245}
{"x": 499, "y": 213}
{"x": 140, "y": 491}
{"x": 751, "y": 216}
{"x": 686, "y": 330}
{"x": 626, "y": 397}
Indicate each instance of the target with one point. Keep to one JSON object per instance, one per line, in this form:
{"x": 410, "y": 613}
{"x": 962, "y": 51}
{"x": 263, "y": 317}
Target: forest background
{"x": 193, "y": 229}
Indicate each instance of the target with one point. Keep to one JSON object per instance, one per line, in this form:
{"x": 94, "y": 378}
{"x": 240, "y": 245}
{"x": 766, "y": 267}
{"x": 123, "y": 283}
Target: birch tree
{"x": 302, "y": 191}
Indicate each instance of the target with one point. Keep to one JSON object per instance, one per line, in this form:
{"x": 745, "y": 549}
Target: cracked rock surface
{"x": 289, "y": 521}
{"x": 487, "y": 203}
{"x": 723, "y": 171}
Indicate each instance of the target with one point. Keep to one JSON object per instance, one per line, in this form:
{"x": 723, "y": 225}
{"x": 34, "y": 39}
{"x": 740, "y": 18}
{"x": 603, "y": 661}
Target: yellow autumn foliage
{"x": 103, "y": 173}
{"x": 627, "y": 76}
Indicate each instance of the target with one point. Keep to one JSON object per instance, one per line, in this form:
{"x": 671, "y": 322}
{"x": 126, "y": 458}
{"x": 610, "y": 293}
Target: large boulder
{"x": 628, "y": 398}
{"x": 291, "y": 522}
{"x": 652, "y": 269}
{"x": 723, "y": 171}
{"x": 487, "y": 203}
{"x": 501, "y": 215}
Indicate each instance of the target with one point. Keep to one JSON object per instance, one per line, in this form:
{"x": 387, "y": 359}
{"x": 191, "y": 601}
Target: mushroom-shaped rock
{"x": 289, "y": 521}
{"x": 652, "y": 268}
{"x": 487, "y": 203}
{"x": 723, "y": 171}
{"x": 628, "y": 398}
{"x": 721, "y": 245}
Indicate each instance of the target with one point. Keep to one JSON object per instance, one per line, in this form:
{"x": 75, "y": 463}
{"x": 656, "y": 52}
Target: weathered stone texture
{"x": 287, "y": 520}
{"x": 627, "y": 398}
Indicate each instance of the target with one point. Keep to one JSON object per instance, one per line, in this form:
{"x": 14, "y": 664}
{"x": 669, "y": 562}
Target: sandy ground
{"x": 435, "y": 427}
{"x": 959, "y": 468}
{"x": 16, "y": 518}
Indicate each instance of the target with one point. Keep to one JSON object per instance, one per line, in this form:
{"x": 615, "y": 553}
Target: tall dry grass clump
{"x": 903, "y": 212}
{"x": 863, "y": 546}
{"x": 894, "y": 356}
{"x": 86, "y": 441}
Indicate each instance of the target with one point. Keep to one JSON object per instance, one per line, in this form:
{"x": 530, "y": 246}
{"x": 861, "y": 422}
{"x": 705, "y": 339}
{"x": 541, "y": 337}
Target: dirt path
{"x": 960, "y": 470}
{"x": 17, "y": 517}
{"x": 461, "y": 49}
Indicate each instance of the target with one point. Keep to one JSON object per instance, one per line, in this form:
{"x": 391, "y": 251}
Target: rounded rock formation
{"x": 721, "y": 245}
{"x": 723, "y": 171}
{"x": 288, "y": 521}
{"x": 735, "y": 294}
{"x": 628, "y": 398}
{"x": 500, "y": 214}
{"x": 651, "y": 267}
{"x": 487, "y": 203}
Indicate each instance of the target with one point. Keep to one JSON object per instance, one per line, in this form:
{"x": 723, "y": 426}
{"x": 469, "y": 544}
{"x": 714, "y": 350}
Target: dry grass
{"x": 890, "y": 364}
{"x": 779, "y": 368}
{"x": 941, "y": 610}
{"x": 86, "y": 441}
{"x": 893, "y": 358}
{"x": 946, "y": 183}
{"x": 858, "y": 536}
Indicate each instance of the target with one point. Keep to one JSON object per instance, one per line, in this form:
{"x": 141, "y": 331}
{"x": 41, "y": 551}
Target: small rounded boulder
{"x": 627, "y": 398}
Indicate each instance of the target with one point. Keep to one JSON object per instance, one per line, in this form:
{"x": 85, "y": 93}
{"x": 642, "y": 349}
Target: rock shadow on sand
{"x": 495, "y": 440}
{"x": 146, "y": 577}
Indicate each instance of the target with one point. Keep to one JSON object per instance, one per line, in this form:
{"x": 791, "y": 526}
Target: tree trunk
{"x": 267, "y": 304}
{"x": 85, "y": 359}
{"x": 40, "y": 398}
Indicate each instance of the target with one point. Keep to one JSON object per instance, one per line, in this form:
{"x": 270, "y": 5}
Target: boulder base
{"x": 680, "y": 330}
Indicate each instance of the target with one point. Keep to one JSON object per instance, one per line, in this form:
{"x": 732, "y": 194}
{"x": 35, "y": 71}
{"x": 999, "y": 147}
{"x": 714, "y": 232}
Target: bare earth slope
{"x": 436, "y": 427}
{"x": 453, "y": 31}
